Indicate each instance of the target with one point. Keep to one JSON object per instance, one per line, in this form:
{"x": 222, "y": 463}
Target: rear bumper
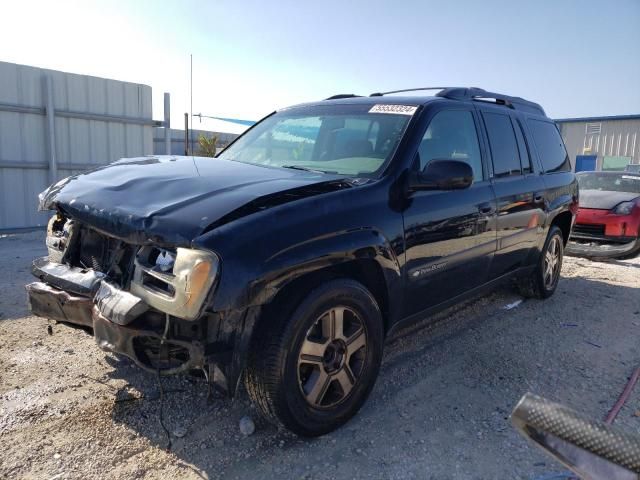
{"x": 602, "y": 247}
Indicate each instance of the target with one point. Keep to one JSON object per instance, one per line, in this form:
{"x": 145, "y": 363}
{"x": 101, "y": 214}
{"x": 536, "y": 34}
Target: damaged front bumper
{"x": 124, "y": 324}
{"x": 146, "y": 347}
{"x": 56, "y": 304}
{"x": 602, "y": 247}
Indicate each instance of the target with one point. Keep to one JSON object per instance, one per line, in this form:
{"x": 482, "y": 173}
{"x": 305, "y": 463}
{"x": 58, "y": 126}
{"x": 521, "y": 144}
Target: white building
{"x": 602, "y": 143}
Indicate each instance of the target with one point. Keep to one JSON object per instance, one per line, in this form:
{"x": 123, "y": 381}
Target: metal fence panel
{"x": 177, "y": 140}
{"x": 96, "y": 121}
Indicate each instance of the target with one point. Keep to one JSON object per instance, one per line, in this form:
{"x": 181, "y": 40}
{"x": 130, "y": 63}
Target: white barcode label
{"x": 395, "y": 109}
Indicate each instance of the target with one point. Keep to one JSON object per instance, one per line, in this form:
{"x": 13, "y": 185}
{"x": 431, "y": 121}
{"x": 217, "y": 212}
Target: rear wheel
{"x": 542, "y": 283}
{"x": 312, "y": 370}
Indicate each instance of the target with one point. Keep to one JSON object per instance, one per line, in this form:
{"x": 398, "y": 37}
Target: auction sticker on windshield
{"x": 395, "y": 109}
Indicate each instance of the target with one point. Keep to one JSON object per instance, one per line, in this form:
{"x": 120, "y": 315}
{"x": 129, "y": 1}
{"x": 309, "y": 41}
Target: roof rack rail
{"x": 474, "y": 93}
{"x": 517, "y": 103}
{"x": 380, "y": 94}
{"x": 342, "y": 95}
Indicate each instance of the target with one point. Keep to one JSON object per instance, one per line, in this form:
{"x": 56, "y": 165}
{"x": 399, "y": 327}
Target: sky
{"x": 575, "y": 57}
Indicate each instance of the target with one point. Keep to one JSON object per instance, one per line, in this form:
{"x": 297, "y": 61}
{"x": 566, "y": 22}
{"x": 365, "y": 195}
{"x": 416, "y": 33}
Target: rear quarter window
{"x": 548, "y": 141}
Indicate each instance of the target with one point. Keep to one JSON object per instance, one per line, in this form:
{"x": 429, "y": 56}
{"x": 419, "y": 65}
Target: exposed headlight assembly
{"x": 624, "y": 208}
{"x": 61, "y": 233}
{"x": 177, "y": 282}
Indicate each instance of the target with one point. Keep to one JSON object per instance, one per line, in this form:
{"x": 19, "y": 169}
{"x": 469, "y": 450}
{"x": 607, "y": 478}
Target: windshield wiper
{"x": 300, "y": 167}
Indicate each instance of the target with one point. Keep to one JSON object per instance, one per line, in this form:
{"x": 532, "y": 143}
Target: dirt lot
{"x": 439, "y": 409}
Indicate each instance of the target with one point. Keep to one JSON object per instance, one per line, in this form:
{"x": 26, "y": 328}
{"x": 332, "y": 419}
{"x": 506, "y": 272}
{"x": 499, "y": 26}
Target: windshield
{"x": 340, "y": 139}
{"x": 610, "y": 182}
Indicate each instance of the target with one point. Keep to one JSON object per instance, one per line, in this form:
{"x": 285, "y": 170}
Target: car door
{"x": 450, "y": 236}
{"x": 518, "y": 187}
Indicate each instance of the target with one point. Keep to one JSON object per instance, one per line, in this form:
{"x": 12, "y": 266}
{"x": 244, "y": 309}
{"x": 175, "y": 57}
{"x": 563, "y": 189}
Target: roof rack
{"x": 517, "y": 103}
{"x": 342, "y": 95}
{"x": 380, "y": 94}
{"x": 478, "y": 94}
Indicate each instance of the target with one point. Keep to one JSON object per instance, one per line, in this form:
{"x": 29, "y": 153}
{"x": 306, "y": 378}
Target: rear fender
{"x": 559, "y": 202}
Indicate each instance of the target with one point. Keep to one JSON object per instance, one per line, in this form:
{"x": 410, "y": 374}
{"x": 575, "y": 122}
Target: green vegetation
{"x": 207, "y": 146}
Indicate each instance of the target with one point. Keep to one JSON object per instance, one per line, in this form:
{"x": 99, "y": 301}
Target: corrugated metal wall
{"x": 604, "y": 138}
{"x": 96, "y": 121}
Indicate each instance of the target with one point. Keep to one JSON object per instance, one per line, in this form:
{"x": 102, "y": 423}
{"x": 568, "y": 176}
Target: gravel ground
{"x": 439, "y": 409}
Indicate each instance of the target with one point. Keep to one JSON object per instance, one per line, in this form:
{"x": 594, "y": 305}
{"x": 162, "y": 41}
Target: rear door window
{"x": 550, "y": 147}
{"x": 502, "y": 141}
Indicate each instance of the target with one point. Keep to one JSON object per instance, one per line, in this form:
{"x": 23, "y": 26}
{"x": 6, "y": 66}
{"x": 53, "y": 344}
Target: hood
{"x": 172, "y": 200}
{"x": 604, "y": 199}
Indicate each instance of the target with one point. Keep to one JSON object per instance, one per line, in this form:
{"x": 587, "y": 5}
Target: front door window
{"x": 452, "y": 135}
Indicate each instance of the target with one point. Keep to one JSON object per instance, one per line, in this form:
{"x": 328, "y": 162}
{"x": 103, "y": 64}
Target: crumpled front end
{"x": 144, "y": 302}
{"x": 600, "y": 233}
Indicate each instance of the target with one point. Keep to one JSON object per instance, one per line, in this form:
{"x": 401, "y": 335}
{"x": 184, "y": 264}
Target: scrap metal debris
{"x": 510, "y": 306}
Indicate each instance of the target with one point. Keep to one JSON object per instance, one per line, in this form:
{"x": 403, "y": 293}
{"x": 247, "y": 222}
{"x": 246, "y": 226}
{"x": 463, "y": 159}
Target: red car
{"x": 608, "y": 221}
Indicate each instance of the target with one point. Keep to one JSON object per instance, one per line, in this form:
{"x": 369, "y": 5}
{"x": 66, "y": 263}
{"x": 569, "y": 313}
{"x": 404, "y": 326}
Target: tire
{"x": 288, "y": 379}
{"x": 539, "y": 284}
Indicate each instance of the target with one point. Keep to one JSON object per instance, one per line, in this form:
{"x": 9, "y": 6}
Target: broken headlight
{"x": 61, "y": 233}
{"x": 175, "y": 282}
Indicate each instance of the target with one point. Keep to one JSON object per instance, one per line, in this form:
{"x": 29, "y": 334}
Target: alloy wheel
{"x": 332, "y": 357}
{"x": 552, "y": 263}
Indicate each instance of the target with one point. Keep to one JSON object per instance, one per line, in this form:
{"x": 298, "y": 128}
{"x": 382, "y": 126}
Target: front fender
{"x": 329, "y": 250}
{"x": 261, "y": 252}
{"x": 293, "y": 262}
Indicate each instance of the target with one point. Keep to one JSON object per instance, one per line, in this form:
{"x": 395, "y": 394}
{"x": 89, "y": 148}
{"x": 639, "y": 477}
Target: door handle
{"x": 538, "y": 198}
{"x": 486, "y": 208}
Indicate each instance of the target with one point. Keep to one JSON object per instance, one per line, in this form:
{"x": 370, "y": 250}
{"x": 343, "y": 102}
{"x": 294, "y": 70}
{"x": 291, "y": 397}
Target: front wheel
{"x": 313, "y": 369}
{"x": 542, "y": 283}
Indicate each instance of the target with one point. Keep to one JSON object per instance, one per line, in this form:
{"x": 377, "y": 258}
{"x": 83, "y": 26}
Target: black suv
{"x": 289, "y": 258}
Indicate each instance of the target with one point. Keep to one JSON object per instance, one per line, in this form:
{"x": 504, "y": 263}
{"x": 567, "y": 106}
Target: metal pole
{"x": 191, "y": 107}
{"x": 186, "y": 133}
{"x": 167, "y": 123}
{"x": 51, "y": 125}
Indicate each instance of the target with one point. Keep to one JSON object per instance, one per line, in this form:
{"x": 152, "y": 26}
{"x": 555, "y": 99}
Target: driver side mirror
{"x": 442, "y": 175}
